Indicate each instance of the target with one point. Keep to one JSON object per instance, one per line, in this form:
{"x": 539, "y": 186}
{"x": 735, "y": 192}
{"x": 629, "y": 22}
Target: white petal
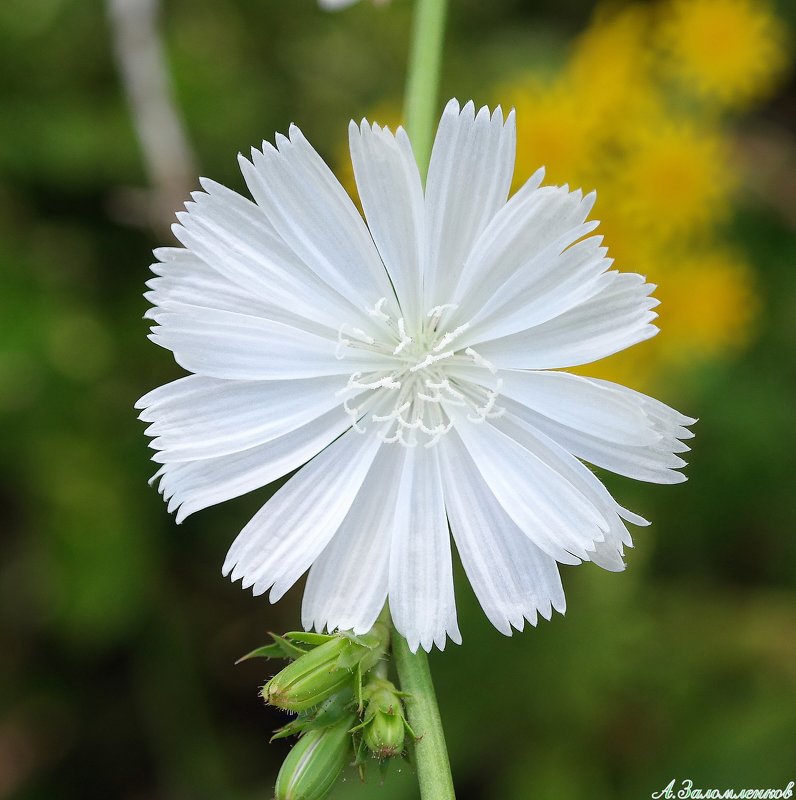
{"x": 392, "y": 198}
{"x": 521, "y": 241}
{"x": 469, "y": 177}
{"x": 193, "y": 485}
{"x": 544, "y": 505}
{"x": 581, "y": 404}
{"x": 234, "y": 237}
{"x": 290, "y": 531}
{"x": 511, "y": 577}
{"x": 608, "y": 551}
{"x": 222, "y": 344}
{"x": 197, "y": 417}
{"x": 317, "y": 219}
{"x": 183, "y": 277}
{"x": 347, "y": 585}
{"x": 549, "y": 285}
{"x": 668, "y": 422}
{"x": 615, "y": 318}
{"x": 655, "y": 463}
{"x": 422, "y": 604}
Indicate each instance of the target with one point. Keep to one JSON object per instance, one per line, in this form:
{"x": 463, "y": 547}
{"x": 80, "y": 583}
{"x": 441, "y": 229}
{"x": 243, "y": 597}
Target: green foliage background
{"x": 118, "y": 631}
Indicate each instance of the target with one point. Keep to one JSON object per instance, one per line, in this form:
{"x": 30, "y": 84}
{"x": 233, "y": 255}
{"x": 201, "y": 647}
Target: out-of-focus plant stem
{"x": 165, "y": 149}
{"x": 422, "y": 82}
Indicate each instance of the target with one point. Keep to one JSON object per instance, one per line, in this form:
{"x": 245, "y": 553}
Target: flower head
{"x": 731, "y": 52}
{"x": 674, "y": 182}
{"x": 413, "y": 362}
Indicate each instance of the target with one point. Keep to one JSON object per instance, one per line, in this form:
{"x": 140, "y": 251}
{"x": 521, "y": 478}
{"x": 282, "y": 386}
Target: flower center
{"x": 421, "y": 389}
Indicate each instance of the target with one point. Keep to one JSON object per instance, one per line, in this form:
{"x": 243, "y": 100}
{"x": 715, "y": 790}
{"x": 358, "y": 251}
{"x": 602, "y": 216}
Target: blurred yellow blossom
{"x": 730, "y": 52}
{"x": 708, "y": 309}
{"x": 554, "y": 128}
{"x": 675, "y": 180}
{"x": 709, "y": 303}
{"x": 611, "y": 66}
{"x": 661, "y": 159}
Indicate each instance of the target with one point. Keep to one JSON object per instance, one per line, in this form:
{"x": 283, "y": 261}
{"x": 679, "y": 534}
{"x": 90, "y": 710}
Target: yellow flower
{"x": 660, "y": 161}
{"x": 610, "y": 65}
{"x": 555, "y": 129}
{"x": 731, "y": 52}
{"x": 675, "y": 181}
{"x": 708, "y": 305}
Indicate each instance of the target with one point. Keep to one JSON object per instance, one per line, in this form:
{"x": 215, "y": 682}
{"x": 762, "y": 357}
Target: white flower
{"x": 413, "y": 363}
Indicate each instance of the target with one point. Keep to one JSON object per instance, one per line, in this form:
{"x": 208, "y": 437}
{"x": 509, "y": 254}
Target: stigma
{"x": 420, "y": 394}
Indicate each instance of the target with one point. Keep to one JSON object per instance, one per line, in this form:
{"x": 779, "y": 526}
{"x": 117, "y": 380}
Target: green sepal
{"x": 328, "y": 713}
{"x": 351, "y": 657}
{"x": 310, "y": 638}
{"x": 280, "y": 648}
{"x": 266, "y": 651}
{"x": 293, "y": 728}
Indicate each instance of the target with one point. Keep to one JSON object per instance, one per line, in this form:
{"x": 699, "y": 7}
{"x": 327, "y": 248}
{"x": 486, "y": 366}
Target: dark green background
{"x": 118, "y": 631}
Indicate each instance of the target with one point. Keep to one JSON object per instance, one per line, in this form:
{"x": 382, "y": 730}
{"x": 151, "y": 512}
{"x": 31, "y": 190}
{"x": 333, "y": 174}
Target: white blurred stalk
{"x": 165, "y": 149}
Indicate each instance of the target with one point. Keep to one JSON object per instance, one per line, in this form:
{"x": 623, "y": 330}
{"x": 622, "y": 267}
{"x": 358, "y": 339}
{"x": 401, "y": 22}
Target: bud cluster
{"x": 347, "y": 711}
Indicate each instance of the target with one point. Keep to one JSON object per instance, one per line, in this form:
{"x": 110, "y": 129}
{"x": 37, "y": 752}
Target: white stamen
{"x": 480, "y": 360}
{"x": 387, "y": 382}
{"x": 413, "y": 425}
{"x": 418, "y": 412}
{"x": 436, "y": 313}
{"x": 437, "y": 310}
{"x": 449, "y": 337}
{"x": 486, "y": 411}
{"x": 429, "y": 360}
{"x": 354, "y": 412}
{"x": 393, "y": 415}
{"x": 376, "y": 310}
{"x": 363, "y": 336}
{"x": 405, "y": 340}
{"x": 341, "y": 343}
{"x": 439, "y": 432}
{"x": 445, "y": 384}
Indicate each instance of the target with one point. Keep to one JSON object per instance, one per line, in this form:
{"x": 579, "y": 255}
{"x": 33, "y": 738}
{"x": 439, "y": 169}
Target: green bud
{"x": 384, "y": 726}
{"x": 313, "y": 766}
{"x": 324, "y": 671}
{"x": 310, "y": 679}
{"x": 384, "y": 736}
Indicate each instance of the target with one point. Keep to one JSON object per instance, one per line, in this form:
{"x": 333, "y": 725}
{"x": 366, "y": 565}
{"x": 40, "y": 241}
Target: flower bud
{"x": 324, "y": 671}
{"x": 384, "y": 736}
{"x": 310, "y": 679}
{"x": 384, "y": 727}
{"x": 313, "y": 766}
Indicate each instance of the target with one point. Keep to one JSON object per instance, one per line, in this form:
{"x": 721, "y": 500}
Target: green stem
{"x": 431, "y": 754}
{"x": 422, "y": 82}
